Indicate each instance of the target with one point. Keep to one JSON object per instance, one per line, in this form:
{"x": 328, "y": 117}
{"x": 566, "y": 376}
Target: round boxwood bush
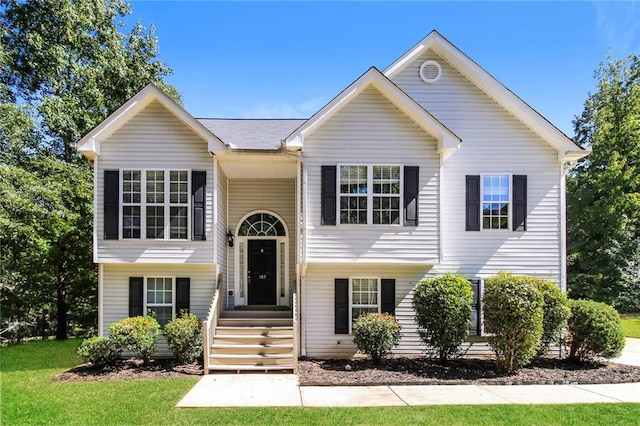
{"x": 185, "y": 338}
{"x": 99, "y": 351}
{"x": 442, "y": 308}
{"x": 555, "y": 313}
{"x": 513, "y": 315}
{"x": 375, "y": 335}
{"x": 594, "y": 330}
{"x": 136, "y": 334}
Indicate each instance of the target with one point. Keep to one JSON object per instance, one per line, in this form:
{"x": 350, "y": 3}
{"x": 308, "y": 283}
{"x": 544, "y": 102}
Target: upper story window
{"x": 155, "y": 204}
{"x": 496, "y": 201}
{"x": 369, "y": 194}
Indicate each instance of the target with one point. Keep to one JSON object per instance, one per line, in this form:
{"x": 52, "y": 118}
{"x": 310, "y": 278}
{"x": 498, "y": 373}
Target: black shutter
{"x": 388, "y": 296}
{"x": 111, "y": 203}
{"x": 473, "y": 203}
{"x": 474, "y": 328}
{"x": 411, "y": 189}
{"x": 342, "y": 306}
{"x": 328, "y": 190}
{"x": 198, "y": 195}
{"x": 136, "y": 288}
{"x": 519, "y": 202}
{"x": 183, "y": 287}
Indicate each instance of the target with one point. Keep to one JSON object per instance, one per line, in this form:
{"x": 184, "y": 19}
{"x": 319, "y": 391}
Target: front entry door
{"x": 262, "y": 272}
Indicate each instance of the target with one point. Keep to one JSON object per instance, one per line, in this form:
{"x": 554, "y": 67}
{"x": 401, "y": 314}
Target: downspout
{"x": 303, "y": 295}
{"x": 95, "y": 210}
{"x": 100, "y": 299}
{"x": 565, "y": 167}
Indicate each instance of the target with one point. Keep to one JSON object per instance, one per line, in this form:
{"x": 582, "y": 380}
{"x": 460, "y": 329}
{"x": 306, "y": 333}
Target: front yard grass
{"x": 30, "y": 397}
{"x": 631, "y": 325}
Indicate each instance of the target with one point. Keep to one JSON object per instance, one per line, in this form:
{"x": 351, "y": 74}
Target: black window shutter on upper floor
{"x": 111, "y": 204}
{"x": 341, "y": 306}
{"x": 328, "y": 191}
{"x": 136, "y": 298}
{"x": 388, "y": 296}
{"x": 411, "y": 189}
{"x": 472, "y": 203}
{"x": 183, "y": 295}
{"x": 519, "y": 202}
{"x": 198, "y": 197}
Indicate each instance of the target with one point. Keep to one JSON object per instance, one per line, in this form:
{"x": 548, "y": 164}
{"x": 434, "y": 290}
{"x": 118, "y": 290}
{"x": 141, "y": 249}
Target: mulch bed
{"x": 426, "y": 371}
{"x": 395, "y": 371}
{"x": 130, "y": 369}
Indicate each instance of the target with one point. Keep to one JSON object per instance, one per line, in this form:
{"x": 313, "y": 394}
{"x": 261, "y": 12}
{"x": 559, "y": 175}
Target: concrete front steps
{"x": 253, "y": 340}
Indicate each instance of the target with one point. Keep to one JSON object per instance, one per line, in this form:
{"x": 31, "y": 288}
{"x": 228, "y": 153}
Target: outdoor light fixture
{"x": 230, "y": 238}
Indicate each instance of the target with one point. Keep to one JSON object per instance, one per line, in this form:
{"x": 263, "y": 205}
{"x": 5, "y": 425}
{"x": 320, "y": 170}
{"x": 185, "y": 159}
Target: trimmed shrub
{"x": 185, "y": 338}
{"x": 443, "y": 313}
{"x": 375, "y": 334}
{"x": 136, "y": 334}
{"x": 99, "y": 351}
{"x": 595, "y": 330}
{"x": 513, "y": 315}
{"x": 555, "y": 314}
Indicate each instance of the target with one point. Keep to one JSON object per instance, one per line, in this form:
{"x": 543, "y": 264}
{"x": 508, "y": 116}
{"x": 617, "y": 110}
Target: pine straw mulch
{"x": 395, "y": 371}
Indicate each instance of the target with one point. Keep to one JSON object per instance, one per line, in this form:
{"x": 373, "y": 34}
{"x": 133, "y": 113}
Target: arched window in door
{"x": 262, "y": 225}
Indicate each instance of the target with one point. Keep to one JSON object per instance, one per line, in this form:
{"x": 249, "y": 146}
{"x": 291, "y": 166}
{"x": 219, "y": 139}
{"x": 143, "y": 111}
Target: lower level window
{"x": 364, "y": 296}
{"x": 160, "y": 299}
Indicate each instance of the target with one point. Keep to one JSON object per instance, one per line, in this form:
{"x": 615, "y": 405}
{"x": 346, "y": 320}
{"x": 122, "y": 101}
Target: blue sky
{"x": 288, "y": 59}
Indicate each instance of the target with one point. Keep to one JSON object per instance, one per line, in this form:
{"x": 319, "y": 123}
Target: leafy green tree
{"x": 604, "y": 191}
{"x": 64, "y": 67}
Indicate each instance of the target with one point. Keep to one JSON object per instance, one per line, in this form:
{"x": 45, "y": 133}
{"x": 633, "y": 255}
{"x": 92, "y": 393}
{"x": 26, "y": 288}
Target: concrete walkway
{"x": 282, "y": 390}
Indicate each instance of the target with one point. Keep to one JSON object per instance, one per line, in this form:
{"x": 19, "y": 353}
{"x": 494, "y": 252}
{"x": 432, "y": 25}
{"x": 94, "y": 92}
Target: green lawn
{"x": 631, "y": 325}
{"x": 29, "y": 397}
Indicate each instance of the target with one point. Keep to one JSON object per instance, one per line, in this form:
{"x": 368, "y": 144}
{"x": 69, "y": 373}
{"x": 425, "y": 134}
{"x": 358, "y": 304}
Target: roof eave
{"x": 446, "y": 138}
{"x": 89, "y": 145}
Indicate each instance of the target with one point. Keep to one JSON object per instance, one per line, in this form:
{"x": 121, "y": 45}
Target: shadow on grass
{"x": 27, "y": 356}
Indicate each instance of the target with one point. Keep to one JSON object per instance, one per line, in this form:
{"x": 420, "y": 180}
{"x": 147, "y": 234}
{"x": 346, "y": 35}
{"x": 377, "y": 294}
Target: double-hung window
{"x": 496, "y": 201}
{"x": 370, "y": 194}
{"x": 364, "y": 296}
{"x": 156, "y": 201}
{"x": 160, "y": 298}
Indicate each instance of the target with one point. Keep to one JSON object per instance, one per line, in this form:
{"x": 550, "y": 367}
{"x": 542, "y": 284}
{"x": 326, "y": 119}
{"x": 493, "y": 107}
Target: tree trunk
{"x": 61, "y": 315}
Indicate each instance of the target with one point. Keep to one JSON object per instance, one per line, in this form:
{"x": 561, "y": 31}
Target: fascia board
{"x": 573, "y": 155}
{"x": 89, "y": 145}
{"x": 446, "y": 138}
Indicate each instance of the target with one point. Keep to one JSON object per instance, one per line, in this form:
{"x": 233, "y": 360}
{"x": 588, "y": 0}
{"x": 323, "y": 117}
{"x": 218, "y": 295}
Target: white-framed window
{"x": 160, "y": 298}
{"x": 496, "y": 201}
{"x": 370, "y": 194}
{"x": 156, "y": 201}
{"x": 364, "y": 297}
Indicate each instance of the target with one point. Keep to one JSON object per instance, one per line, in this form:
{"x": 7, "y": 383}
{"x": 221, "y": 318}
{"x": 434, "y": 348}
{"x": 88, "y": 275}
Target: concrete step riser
{"x": 250, "y": 350}
{"x": 256, "y": 314}
{"x": 251, "y": 361}
{"x": 252, "y": 340}
{"x": 255, "y": 322}
{"x": 255, "y": 331}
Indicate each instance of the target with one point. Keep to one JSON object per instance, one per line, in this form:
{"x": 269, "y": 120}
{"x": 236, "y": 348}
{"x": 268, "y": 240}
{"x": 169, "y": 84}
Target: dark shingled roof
{"x": 252, "y": 133}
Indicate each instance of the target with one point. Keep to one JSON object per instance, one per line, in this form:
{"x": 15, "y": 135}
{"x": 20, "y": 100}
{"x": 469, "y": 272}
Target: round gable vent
{"x": 430, "y": 71}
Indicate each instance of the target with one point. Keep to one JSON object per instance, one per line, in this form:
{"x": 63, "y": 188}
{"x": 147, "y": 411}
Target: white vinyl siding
{"x": 319, "y": 308}
{"x": 115, "y": 297}
{"x": 155, "y": 140}
{"x": 371, "y": 130}
{"x": 493, "y": 142}
{"x": 261, "y": 195}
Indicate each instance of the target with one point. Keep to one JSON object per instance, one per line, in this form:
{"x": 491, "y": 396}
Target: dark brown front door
{"x": 262, "y": 272}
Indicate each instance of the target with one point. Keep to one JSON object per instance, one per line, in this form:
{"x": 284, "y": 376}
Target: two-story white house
{"x": 279, "y": 233}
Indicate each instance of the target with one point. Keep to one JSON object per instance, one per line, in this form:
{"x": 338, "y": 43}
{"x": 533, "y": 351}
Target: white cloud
{"x": 618, "y": 25}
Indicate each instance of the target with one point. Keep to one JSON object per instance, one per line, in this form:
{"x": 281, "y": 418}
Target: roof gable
{"x": 89, "y": 145}
{"x": 566, "y": 148}
{"x": 448, "y": 142}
